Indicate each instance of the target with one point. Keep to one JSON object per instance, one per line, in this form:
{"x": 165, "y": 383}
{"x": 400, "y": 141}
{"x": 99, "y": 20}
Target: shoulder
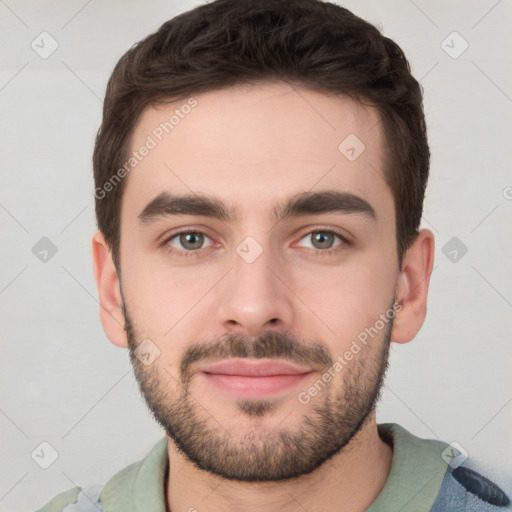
{"x": 61, "y": 500}
{"x": 465, "y": 488}
{"x": 443, "y": 475}
{"x": 120, "y": 491}
{"x": 77, "y": 499}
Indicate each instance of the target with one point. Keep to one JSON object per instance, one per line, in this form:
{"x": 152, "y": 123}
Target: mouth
{"x": 245, "y": 378}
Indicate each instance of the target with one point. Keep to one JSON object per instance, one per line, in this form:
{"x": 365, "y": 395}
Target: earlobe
{"x": 109, "y": 291}
{"x": 412, "y": 287}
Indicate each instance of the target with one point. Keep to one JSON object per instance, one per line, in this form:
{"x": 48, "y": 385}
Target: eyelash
{"x": 320, "y": 252}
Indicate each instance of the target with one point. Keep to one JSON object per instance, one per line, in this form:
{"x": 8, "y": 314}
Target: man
{"x": 260, "y": 173}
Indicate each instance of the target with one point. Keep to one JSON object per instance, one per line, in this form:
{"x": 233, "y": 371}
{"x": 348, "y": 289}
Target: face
{"x": 255, "y": 231}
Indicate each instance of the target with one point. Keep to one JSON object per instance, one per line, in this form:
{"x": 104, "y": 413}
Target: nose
{"x": 255, "y": 296}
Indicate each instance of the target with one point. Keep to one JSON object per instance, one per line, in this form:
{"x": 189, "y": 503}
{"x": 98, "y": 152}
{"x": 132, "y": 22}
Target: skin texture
{"x": 253, "y": 147}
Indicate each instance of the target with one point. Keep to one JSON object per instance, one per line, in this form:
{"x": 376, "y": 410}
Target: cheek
{"x": 347, "y": 299}
{"x": 159, "y": 296}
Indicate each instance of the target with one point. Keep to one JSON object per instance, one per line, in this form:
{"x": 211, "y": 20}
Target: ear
{"x": 109, "y": 292}
{"x": 412, "y": 287}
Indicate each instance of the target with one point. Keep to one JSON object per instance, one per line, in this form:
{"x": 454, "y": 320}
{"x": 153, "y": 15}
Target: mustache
{"x": 271, "y": 345}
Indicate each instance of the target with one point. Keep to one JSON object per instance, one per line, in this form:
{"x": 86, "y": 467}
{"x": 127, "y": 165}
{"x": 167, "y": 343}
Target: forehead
{"x": 254, "y": 145}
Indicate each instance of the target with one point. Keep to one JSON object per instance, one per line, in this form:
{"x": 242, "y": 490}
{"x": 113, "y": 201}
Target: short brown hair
{"x": 311, "y": 43}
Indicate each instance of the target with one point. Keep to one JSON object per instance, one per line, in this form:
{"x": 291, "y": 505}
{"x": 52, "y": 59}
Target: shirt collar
{"x": 416, "y": 473}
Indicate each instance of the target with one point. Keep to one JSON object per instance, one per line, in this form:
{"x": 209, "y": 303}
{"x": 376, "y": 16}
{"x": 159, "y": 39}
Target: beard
{"x": 256, "y": 454}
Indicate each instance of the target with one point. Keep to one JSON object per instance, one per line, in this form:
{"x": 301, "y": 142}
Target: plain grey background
{"x": 64, "y": 384}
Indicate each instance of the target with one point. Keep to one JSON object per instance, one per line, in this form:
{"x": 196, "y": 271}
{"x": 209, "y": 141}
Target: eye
{"x": 190, "y": 243}
{"x": 323, "y": 240}
{"x": 186, "y": 241}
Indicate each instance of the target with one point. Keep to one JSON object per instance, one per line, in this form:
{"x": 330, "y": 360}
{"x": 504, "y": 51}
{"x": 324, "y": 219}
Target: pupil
{"x": 321, "y": 238}
{"x": 189, "y": 238}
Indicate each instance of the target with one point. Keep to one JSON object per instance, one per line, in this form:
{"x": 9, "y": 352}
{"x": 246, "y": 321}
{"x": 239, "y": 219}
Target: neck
{"x": 348, "y": 481}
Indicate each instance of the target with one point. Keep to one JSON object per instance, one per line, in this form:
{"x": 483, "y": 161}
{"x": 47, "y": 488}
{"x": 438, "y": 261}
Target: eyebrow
{"x": 302, "y": 204}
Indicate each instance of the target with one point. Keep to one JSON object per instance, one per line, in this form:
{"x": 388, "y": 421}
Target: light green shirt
{"x": 417, "y": 470}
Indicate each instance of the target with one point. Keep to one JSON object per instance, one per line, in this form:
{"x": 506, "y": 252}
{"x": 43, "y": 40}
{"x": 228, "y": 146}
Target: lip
{"x": 258, "y": 368}
{"x": 255, "y": 378}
